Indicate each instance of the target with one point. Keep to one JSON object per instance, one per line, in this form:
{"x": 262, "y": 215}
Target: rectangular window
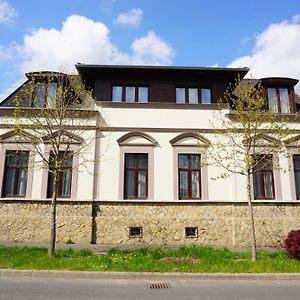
{"x": 135, "y": 232}
{"x": 193, "y": 95}
{"x": 189, "y": 176}
{"x": 130, "y": 94}
{"x": 205, "y": 96}
{"x": 263, "y": 179}
{"x": 136, "y": 176}
{"x": 180, "y": 95}
{"x": 45, "y": 94}
{"x": 278, "y": 100}
{"x": 191, "y": 232}
{"x": 64, "y": 175}
{"x": 117, "y": 94}
{"x": 15, "y": 174}
{"x": 296, "y": 163}
{"x": 142, "y": 94}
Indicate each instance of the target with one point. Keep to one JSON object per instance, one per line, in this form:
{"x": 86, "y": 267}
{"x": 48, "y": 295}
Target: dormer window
{"x": 130, "y": 94}
{"x": 193, "y": 95}
{"x": 279, "y": 100}
{"x": 44, "y": 94}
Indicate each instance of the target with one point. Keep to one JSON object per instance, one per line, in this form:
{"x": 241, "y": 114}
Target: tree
{"x": 248, "y": 139}
{"x": 54, "y": 125}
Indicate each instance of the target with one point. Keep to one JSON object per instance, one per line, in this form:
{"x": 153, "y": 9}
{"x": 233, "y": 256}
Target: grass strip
{"x": 185, "y": 259}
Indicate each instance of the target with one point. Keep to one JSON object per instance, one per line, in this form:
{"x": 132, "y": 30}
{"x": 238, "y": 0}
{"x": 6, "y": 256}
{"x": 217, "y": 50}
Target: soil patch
{"x": 175, "y": 259}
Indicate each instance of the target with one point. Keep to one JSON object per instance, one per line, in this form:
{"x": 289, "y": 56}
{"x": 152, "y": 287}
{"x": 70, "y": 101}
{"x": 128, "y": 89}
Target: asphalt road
{"x": 131, "y": 289}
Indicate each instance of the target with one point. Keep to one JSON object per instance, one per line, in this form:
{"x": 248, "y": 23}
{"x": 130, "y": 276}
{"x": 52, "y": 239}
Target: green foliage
{"x": 148, "y": 260}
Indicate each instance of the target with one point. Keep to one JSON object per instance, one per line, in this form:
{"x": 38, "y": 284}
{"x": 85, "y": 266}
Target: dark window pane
{"x": 268, "y": 184}
{"x": 257, "y": 186}
{"x": 142, "y": 184}
{"x": 183, "y": 161}
{"x": 142, "y": 160}
{"x": 66, "y": 177}
{"x": 296, "y": 160}
{"x": 297, "y": 184}
{"x": 183, "y": 184}
{"x": 10, "y": 181}
{"x": 195, "y": 184}
{"x": 39, "y": 94}
{"x": 195, "y": 161}
{"x": 22, "y": 182}
{"x": 51, "y": 94}
{"x": 129, "y": 184}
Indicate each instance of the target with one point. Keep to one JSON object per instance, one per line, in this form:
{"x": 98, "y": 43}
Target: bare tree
{"x": 54, "y": 125}
{"x": 249, "y": 139}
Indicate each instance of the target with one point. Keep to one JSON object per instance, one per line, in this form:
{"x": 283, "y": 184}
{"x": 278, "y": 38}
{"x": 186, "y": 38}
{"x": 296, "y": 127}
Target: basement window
{"x": 191, "y": 232}
{"x": 135, "y": 232}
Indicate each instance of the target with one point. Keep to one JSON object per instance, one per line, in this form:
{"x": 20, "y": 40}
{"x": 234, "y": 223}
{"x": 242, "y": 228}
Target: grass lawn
{"x": 186, "y": 259}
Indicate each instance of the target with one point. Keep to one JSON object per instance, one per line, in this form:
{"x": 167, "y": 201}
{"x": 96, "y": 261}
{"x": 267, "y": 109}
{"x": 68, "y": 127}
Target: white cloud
{"x": 83, "y": 40}
{"x": 153, "y": 49}
{"x": 276, "y": 52}
{"x": 130, "y": 18}
{"x": 7, "y": 12}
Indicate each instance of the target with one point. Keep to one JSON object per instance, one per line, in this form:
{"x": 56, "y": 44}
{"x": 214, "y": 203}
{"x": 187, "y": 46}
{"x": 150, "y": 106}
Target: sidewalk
{"x": 146, "y": 275}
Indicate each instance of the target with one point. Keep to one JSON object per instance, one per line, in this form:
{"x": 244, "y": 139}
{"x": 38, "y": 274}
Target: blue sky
{"x": 50, "y": 35}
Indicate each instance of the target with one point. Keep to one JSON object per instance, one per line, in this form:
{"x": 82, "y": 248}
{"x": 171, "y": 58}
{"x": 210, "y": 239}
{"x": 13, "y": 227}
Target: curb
{"x": 145, "y": 275}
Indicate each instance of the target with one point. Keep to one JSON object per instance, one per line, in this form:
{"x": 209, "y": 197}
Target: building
{"x": 144, "y": 183}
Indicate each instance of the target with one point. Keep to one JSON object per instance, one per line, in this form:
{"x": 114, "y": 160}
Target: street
{"x": 90, "y": 289}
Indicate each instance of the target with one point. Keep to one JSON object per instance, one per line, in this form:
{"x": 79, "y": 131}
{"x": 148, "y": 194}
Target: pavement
{"x": 101, "y": 249}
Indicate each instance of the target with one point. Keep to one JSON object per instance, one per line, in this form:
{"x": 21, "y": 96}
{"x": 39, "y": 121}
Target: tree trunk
{"x": 252, "y": 225}
{"x": 52, "y": 242}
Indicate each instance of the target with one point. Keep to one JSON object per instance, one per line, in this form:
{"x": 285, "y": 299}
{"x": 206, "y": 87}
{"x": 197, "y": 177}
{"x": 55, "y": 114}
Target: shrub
{"x": 292, "y": 244}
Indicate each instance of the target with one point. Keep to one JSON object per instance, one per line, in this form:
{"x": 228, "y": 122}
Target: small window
{"x": 296, "y": 163}
{"x": 205, "y": 96}
{"x": 117, "y": 94}
{"x": 142, "y": 94}
{"x": 15, "y": 174}
{"x": 180, "y": 95}
{"x": 130, "y": 94}
{"x": 64, "y": 175}
{"x": 263, "y": 179}
{"x": 135, "y": 232}
{"x": 193, "y": 95}
{"x": 191, "y": 232}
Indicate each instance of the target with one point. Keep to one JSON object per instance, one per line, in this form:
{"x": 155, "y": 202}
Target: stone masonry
{"x": 163, "y": 223}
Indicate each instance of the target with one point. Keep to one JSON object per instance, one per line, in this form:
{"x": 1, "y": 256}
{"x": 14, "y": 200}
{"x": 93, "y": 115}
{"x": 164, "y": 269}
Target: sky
{"x": 54, "y": 35}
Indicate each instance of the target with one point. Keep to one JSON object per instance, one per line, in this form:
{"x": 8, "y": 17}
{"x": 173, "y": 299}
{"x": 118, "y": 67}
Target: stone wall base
{"x": 108, "y": 223}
